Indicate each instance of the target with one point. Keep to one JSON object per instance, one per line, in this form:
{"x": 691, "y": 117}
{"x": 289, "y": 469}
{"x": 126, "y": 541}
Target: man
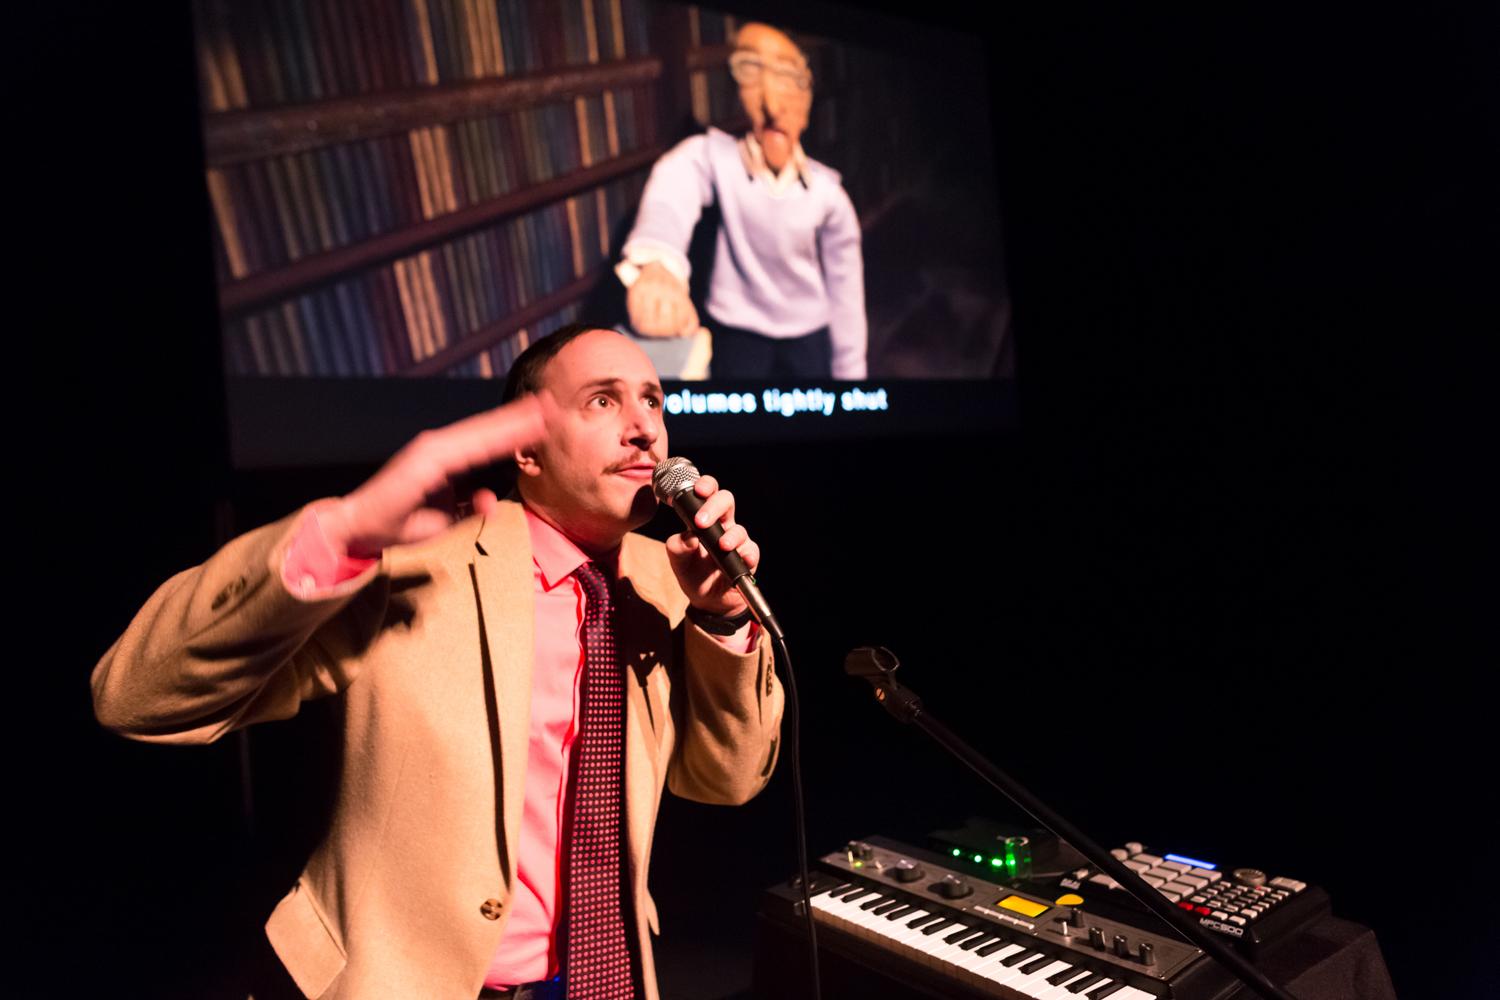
{"x": 490, "y": 837}
{"x": 787, "y": 295}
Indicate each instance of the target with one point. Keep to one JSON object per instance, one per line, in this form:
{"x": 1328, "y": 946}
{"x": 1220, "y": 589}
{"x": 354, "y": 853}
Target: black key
{"x": 1087, "y": 983}
{"x": 840, "y": 888}
{"x": 1036, "y": 964}
{"x": 924, "y": 920}
{"x": 1019, "y": 957}
{"x": 886, "y": 907}
{"x": 1106, "y": 991}
{"x": 993, "y": 946}
{"x": 870, "y": 905}
{"x": 899, "y": 912}
{"x": 977, "y": 941}
{"x": 854, "y": 894}
{"x": 962, "y": 934}
{"x": 1057, "y": 979}
{"x": 940, "y": 925}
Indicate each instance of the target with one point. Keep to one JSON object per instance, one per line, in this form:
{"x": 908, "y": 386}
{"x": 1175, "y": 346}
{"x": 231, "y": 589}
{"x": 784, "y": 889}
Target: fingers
{"x": 484, "y": 501}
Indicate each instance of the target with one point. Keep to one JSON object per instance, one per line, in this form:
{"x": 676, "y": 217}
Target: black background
{"x": 1221, "y": 592}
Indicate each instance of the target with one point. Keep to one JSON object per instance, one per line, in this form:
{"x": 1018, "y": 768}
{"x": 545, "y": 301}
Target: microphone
{"x": 672, "y": 482}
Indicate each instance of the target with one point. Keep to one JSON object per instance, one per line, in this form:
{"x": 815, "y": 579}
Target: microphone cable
{"x": 799, "y": 811}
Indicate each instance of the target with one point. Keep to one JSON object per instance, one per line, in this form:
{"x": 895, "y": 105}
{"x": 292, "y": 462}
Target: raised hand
{"x": 659, "y": 304}
{"x": 410, "y": 498}
{"x": 706, "y": 586}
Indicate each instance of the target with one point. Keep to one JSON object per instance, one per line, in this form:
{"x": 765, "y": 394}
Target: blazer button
{"x": 491, "y": 909}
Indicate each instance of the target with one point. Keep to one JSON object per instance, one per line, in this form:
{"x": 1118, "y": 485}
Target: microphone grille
{"x": 672, "y": 476}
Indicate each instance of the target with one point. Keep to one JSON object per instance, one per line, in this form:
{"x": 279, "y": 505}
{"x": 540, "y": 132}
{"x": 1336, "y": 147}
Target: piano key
{"x": 900, "y": 911}
{"x": 1107, "y": 990}
{"x": 1065, "y": 976}
{"x": 1150, "y": 859}
{"x": 963, "y": 933}
{"x": 980, "y": 939}
{"x": 1032, "y": 966}
{"x": 997, "y": 971}
{"x": 870, "y": 904}
{"x": 1034, "y": 983}
{"x": 993, "y": 946}
{"x": 839, "y": 889}
{"x": 1088, "y": 983}
{"x": 1025, "y": 955}
{"x": 858, "y": 892}
{"x": 1131, "y": 993}
{"x": 940, "y": 925}
{"x": 925, "y": 919}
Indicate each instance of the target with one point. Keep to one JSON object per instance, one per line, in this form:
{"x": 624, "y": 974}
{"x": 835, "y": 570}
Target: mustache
{"x": 639, "y": 459}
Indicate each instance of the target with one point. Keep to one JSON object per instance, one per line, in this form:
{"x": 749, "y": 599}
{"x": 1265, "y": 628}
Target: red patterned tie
{"x": 598, "y": 948}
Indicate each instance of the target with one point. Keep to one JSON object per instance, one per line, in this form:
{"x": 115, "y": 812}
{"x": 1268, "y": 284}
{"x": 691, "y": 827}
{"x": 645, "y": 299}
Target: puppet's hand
{"x": 659, "y": 305}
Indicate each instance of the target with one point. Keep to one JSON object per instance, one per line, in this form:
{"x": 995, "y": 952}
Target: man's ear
{"x": 526, "y": 462}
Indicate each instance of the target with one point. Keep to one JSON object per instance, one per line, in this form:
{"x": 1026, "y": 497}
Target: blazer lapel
{"x": 505, "y": 592}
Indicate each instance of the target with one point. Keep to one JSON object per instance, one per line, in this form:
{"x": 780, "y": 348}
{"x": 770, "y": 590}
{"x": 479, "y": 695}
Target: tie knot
{"x": 595, "y": 585}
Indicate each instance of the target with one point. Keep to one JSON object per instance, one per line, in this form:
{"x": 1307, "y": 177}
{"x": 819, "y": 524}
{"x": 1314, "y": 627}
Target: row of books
{"x": 495, "y": 362}
{"x": 269, "y": 53}
{"x": 272, "y": 212}
{"x": 384, "y": 320}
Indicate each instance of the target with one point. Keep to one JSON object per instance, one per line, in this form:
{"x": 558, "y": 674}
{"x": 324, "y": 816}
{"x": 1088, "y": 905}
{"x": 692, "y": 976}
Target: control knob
{"x": 906, "y": 871}
{"x": 859, "y": 851}
{"x": 1250, "y": 876}
{"x": 952, "y": 887}
{"x": 1147, "y": 954}
{"x": 1096, "y": 938}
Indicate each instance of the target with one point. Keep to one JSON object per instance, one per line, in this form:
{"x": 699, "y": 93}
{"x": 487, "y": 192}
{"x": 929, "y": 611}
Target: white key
{"x": 1193, "y": 880}
{"x": 1288, "y": 883}
{"x": 1105, "y": 881}
{"x": 1209, "y": 874}
{"x": 971, "y": 959}
{"x": 1169, "y": 894}
{"x": 1060, "y": 991}
{"x": 997, "y": 972}
{"x": 1164, "y": 873}
{"x": 1138, "y": 866}
{"x": 1177, "y": 866}
{"x": 1153, "y": 881}
{"x": 1182, "y": 888}
{"x": 1150, "y": 859}
{"x": 1131, "y": 993}
{"x": 1035, "y": 984}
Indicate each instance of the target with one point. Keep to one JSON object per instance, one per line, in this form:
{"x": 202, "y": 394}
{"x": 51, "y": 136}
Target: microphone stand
{"x": 878, "y": 666}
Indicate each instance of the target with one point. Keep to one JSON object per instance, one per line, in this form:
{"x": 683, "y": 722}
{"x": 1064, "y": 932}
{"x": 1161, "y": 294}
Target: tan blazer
{"x": 430, "y": 656}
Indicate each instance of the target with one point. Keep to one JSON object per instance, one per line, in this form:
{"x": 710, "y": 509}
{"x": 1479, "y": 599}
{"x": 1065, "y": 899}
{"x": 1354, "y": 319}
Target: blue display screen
{"x": 1191, "y": 861}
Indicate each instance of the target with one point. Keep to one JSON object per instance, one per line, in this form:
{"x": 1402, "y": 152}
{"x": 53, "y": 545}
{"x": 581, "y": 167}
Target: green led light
{"x": 956, "y": 852}
{"x": 979, "y": 859}
{"x": 859, "y": 864}
{"x": 997, "y": 862}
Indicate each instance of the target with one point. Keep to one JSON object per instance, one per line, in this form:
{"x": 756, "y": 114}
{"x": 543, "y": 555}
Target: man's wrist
{"x": 716, "y": 624}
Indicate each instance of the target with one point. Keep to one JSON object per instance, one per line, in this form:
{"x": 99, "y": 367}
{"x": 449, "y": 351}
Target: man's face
{"x": 777, "y": 105}
{"x": 591, "y": 477}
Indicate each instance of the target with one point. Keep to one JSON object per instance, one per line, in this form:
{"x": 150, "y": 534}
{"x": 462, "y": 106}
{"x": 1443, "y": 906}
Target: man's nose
{"x": 643, "y": 424}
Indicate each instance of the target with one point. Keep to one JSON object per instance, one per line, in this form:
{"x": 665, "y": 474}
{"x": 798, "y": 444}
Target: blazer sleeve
{"x": 728, "y": 720}
{"x": 225, "y": 645}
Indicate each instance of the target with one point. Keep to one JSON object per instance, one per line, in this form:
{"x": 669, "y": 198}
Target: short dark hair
{"x": 526, "y": 372}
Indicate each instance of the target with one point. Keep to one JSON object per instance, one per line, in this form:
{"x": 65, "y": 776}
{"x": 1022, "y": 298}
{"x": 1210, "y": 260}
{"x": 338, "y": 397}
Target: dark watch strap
{"x": 718, "y": 624}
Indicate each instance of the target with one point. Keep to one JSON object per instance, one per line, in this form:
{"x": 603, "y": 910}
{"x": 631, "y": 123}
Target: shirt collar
{"x": 556, "y": 555}
{"x": 756, "y": 166}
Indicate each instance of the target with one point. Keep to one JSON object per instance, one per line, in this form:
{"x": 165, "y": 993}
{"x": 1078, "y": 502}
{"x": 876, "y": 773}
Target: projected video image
{"x": 406, "y": 189}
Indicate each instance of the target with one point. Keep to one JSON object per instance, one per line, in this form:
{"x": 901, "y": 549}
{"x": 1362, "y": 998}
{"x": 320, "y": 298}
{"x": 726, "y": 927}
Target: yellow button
{"x": 1028, "y": 907}
{"x": 1070, "y": 899}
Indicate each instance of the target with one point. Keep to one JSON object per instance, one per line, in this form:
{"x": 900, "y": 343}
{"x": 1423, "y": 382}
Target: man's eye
{"x": 600, "y": 401}
{"x": 653, "y": 402}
